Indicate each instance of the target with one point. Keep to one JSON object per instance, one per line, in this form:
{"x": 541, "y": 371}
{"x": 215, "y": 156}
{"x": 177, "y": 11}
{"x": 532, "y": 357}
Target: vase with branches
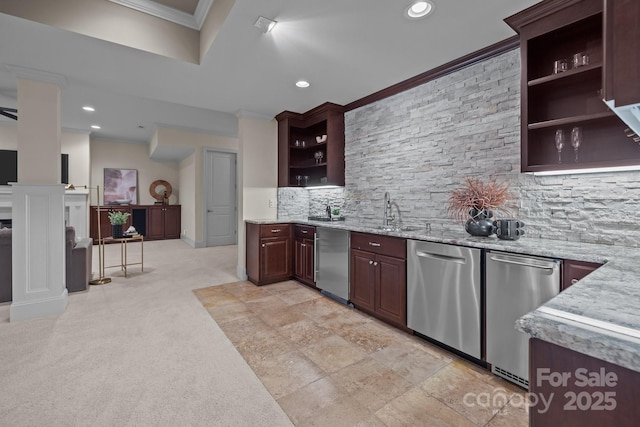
{"x": 476, "y": 200}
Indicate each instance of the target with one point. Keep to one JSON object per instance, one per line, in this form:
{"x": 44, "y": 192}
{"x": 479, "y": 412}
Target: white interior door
{"x": 220, "y": 190}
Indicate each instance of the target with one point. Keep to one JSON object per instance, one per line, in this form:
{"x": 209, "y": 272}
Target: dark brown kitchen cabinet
{"x": 268, "y": 252}
{"x": 378, "y": 277}
{"x": 551, "y": 102}
{"x": 304, "y": 254}
{"x": 622, "y": 51}
{"x": 572, "y": 271}
{"x": 154, "y": 222}
{"x": 590, "y": 392}
{"x": 105, "y": 225}
{"x": 302, "y": 160}
{"x": 163, "y": 222}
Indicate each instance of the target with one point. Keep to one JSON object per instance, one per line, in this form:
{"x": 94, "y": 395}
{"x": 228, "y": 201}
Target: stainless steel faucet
{"x": 388, "y": 215}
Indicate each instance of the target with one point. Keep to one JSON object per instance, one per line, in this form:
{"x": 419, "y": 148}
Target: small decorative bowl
{"x": 320, "y": 139}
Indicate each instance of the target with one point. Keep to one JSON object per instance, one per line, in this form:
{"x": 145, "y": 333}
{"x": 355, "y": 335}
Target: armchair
{"x": 78, "y": 261}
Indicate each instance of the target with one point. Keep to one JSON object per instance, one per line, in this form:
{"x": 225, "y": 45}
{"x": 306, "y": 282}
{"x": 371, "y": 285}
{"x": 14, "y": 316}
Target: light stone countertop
{"x": 598, "y": 316}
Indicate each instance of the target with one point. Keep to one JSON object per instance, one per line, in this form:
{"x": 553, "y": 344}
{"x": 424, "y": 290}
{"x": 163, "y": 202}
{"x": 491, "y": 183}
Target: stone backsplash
{"x": 420, "y": 145}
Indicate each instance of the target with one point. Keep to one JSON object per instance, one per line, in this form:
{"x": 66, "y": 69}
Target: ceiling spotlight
{"x": 265, "y": 24}
{"x": 88, "y": 108}
{"x": 302, "y": 83}
{"x": 419, "y": 9}
{"x": 95, "y": 127}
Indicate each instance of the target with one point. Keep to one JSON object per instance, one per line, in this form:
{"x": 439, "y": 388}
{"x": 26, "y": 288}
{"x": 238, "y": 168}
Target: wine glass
{"x": 298, "y": 179}
{"x": 576, "y": 139}
{"x": 559, "y": 143}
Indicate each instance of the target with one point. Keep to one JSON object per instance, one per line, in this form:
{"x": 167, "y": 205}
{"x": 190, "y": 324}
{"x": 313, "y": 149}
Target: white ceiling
{"x": 346, "y": 49}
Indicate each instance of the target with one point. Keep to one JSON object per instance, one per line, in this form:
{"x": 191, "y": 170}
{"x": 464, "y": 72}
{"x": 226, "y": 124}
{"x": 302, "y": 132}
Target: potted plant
{"x": 475, "y": 201}
{"x": 117, "y": 220}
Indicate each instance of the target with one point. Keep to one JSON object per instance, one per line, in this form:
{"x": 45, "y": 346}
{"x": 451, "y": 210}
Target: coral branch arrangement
{"x": 480, "y": 196}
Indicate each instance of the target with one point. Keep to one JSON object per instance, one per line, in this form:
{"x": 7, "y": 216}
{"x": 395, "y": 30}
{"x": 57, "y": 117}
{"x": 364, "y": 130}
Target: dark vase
{"x": 116, "y": 230}
{"x": 480, "y": 223}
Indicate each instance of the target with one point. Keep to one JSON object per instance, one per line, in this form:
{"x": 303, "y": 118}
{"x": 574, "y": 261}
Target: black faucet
{"x": 329, "y": 211}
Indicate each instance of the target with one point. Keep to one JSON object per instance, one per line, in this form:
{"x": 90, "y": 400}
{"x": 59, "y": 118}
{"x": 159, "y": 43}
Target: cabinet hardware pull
{"x": 574, "y": 281}
{"x": 375, "y": 263}
{"x": 370, "y": 262}
{"x": 374, "y": 244}
{"x": 304, "y": 231}
{"x": 275, "y": 231}
{"x": 263, "y": 245}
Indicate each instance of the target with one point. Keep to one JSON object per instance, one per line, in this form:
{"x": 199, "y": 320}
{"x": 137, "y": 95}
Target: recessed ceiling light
{"x": 95, "y": 127}
{"x": 419, "y": 9}
{"x": 302, "y": 83}
{"x": 88, "y": 108}
{"x": 265, "y": 24}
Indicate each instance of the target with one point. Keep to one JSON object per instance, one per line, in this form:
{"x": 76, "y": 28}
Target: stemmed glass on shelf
{"x": 576, "y": 139}
{"x": 559, "y": 143}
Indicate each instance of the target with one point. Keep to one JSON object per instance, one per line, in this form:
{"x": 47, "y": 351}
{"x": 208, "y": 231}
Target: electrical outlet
{"x": 273, "y": 203}
{"x": 184, "y": 232}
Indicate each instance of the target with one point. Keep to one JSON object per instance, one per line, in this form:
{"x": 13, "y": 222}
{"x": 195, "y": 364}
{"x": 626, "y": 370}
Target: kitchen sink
{"x": 324, "y": 218}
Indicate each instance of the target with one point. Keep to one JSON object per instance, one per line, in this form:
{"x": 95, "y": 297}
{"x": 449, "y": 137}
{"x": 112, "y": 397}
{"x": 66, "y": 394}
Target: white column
{"x": 38, "y": 246}
{"x": 38, "y": 262}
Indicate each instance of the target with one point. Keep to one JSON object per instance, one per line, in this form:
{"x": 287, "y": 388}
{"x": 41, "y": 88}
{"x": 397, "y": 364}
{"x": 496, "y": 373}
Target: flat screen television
{"x": 9, "y": 167}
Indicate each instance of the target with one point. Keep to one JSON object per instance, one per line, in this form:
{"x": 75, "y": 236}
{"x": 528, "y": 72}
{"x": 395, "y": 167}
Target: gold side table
{"x": 123, "y": 252}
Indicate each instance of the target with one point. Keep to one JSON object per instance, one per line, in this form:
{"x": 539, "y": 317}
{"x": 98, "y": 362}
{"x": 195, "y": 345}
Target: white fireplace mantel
{"x": 76, "y": 208}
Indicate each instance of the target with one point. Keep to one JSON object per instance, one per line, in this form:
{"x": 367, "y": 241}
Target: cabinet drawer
{"x": 275, "y": 230}
{"x": 305, "y": 231}
{"x": 385, "y": 245}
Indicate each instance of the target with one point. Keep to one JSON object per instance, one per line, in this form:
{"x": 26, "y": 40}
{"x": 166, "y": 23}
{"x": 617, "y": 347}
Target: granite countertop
{"x": 598, "y": 316}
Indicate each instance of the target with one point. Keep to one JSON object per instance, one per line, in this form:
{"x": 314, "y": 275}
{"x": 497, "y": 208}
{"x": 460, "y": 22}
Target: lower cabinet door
{"x": 391, "y": 289}
{"x": 309, "y": 262}
{"x": 275, "y": 259}
{"x": 155, "y": 222}
{"x": 362, "y": 280}
{"x": 172, "y": 222}
{"x": 299, "y": 259}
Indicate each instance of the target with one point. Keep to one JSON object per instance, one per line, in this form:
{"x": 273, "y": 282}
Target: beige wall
{"x": 75, "y": 144}
{"x": 110, "y": 154}
{"x": 188, "y": 196}
{"x": 38, "y": 132}
{"x": 191, "y": 171}
{"x": 212, "y": 24}
{"x": 109, "y": 21}
{"x": 257, "y": 176}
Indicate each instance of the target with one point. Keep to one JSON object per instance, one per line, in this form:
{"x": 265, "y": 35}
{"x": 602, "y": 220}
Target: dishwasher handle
{"x": 526, "y": 262}
{"x": 440, "y": 257}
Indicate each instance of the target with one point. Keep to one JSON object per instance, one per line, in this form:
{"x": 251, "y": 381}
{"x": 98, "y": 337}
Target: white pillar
{"x": 39, "y": 286}
{"x": 38, "y": 246}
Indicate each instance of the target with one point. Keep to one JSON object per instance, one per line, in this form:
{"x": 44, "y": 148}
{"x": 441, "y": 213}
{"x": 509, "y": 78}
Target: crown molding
{"x": 36, "y": 75}
{"x": 168, "y": 13}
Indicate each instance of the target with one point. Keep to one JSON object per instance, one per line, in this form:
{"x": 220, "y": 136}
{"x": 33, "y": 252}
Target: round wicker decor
{"x": 160, "y": 189}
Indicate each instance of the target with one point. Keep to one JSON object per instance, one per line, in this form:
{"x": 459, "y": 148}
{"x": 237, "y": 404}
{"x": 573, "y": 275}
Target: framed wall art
{"x": 120, "y": 186}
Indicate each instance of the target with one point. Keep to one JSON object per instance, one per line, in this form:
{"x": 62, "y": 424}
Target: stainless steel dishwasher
{"x": 332, "y": 262}
{"x": 443, "y": 294}
{"x": 516, "y": 285}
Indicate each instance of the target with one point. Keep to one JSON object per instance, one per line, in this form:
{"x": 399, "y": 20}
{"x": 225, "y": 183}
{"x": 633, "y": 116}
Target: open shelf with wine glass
{"x": 311, "y": 147}
{"x": 562, "y": 90}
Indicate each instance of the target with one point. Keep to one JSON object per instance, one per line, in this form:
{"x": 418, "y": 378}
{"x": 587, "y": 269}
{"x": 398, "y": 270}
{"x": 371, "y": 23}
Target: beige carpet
{"x": 139, "y": 351}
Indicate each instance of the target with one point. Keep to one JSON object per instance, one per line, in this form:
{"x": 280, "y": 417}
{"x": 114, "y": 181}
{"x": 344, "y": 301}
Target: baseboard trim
{"x": 35, "y": 309}
{"x": 241, "y": 272}
{"x": 188, "y": 241}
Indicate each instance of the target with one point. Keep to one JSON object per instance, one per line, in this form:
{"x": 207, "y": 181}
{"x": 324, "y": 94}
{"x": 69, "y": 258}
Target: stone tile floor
{"x": 329, "y": 365}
